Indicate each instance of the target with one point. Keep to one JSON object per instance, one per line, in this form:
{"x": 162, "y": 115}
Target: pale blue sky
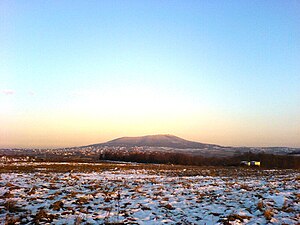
{"x": 226, "y": 72}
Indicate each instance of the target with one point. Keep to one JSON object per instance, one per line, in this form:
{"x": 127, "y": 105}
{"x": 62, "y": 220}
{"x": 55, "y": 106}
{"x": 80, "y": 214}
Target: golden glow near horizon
{"x": 92, "y": 116}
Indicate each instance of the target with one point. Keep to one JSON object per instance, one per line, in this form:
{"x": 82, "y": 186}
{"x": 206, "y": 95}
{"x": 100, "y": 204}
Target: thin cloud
{"x": 8, "y": 92}
{"x": 31, "y": 93}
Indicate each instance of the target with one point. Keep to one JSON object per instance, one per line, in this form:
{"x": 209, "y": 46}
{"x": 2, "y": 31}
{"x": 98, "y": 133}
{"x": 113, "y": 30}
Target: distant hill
{"x": 177, "y": 144}
{"x": 164, "y": 140}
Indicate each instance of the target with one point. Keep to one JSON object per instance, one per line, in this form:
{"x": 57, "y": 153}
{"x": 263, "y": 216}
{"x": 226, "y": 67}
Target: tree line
{"x": 267, "y": 160}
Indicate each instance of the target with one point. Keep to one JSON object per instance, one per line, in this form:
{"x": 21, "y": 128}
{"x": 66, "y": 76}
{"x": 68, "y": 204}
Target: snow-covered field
{"x": 139, "y": 196}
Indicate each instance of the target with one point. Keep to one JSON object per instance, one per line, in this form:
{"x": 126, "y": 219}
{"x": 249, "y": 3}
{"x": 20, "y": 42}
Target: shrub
{"x": 268, "y": 214}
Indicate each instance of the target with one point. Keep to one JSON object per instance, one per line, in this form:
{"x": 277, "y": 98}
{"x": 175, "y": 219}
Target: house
{"x": 244, "y": 163}
{"x": 251, "y": 163}
{"x": 254, "y": 163}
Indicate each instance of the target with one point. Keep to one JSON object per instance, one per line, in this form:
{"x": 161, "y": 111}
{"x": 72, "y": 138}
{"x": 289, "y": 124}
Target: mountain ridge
{"x": 158, "y": 140}
{"x": 175, "y": 143}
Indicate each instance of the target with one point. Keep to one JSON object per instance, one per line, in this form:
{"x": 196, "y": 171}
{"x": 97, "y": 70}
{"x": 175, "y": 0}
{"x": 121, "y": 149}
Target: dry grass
{"x": 81, "y": 201}
{"x": 51, "y": 197}
{"x": 268, "y": 214}
{"x": 73, "y": 194}
{"x": 57, "y": 205}
{"x": 7, "y": 195}
{"x": 260, "y": 205}
{"x": 78, "y": 220}
{"x": 32, "y": 191}
{"x": 116, "y": 223}
{"x": 12, "y": 220}
{"x": 145, "y": 208}
{"x": 8, "y": 184}
{"x": 43, "y": 216}
{"x": 170, "y": 170}
{"x": 245, "y": 187}
{"x": 298, "y": 197}
{"x": 11, "y": 206}
{"x": 168, "y": 206}
{"x": 58, "y": 193}
{"x": 53, "y": 186}
{"x": 233, "y": 217}
{"x": 109, "y": 191}
{"x": 74, "y": 177}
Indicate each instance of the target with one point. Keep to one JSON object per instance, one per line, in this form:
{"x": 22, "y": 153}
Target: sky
{"x": 81, "y": 72}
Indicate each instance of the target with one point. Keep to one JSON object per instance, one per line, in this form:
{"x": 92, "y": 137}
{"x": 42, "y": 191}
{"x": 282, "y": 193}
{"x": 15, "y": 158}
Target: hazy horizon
{"x": 104, "y": 141}
{"x": 82, "y": 72}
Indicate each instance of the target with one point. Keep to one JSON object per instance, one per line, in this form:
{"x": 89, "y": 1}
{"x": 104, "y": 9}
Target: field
{"x": 81, "y": 193}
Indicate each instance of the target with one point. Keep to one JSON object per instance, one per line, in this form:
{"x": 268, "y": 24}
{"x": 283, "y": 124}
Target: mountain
{"x": 177, "y": 144}
{"x": 164, "y": 140}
